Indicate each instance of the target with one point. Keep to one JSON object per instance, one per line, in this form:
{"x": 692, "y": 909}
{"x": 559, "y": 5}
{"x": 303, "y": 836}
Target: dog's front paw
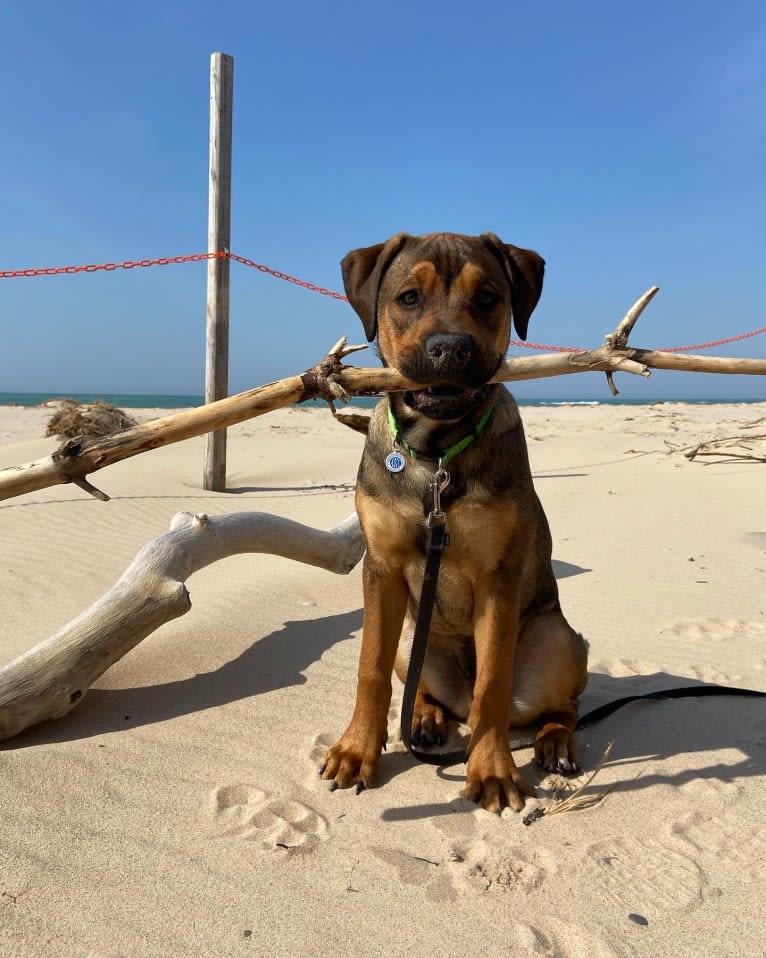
{"x": 353, "y": 760}
{"x": 492, "y": 779}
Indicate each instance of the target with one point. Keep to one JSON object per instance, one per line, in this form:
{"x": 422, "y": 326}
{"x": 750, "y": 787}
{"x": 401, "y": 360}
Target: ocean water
{"x": 137, "y": 401}
{"x": 120, "y": 400}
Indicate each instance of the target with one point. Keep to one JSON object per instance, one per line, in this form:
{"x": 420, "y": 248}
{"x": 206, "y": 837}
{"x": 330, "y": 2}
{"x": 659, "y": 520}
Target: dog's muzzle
{"x": 449, "y": 361}
{"x": 456, "y": 372}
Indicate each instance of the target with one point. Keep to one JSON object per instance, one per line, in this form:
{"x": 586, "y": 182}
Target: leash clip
{"x": 439, "y": 483}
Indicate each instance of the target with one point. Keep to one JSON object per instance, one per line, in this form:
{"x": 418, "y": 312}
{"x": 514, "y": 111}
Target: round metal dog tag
{"x": 395, "y": 461}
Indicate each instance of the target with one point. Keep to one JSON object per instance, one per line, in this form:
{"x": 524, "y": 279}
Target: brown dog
{"x": 500, "y": 652}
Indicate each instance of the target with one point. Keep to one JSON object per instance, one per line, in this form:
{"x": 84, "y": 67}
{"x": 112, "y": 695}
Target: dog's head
{"x": 441, "y": 307}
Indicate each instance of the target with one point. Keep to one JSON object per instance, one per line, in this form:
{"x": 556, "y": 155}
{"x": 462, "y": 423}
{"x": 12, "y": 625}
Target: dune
{"x": 178, "y": 810}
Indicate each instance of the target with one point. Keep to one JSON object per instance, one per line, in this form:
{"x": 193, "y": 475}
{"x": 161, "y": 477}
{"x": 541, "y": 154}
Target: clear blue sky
{"x": 626, "y": 142}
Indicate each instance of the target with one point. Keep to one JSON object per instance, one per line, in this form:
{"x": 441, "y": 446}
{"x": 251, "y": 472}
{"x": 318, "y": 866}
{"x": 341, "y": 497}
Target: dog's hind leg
{"x": 551, "y": 673}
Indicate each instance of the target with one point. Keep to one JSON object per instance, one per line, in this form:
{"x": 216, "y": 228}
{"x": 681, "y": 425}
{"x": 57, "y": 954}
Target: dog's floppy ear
{"x": 363, "y": 270}
{"x": 524, "y": 269}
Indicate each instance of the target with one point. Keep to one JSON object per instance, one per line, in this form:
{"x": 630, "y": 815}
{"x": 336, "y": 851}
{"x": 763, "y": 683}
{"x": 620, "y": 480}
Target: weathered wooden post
{"x": 218, "y": 238}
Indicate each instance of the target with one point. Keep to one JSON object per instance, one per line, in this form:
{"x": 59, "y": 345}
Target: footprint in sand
{"x": 718, "y": 630}
{"x": 739, "y": 843}
{"x": 319, "y": 748}
{"x": 482, "y": 861}
{"x": 677, "y": 869}
{"x": 660, "y": 877}
{"x": 430, "y": 877}
{"x": 249, "y": 813}
{"x": 512, "y": 872}
{"x": 568, "y": 939}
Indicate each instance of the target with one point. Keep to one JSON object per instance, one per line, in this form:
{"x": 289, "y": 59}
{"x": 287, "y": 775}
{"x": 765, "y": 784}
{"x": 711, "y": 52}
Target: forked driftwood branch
{"x": 729, "y": 449}
{"x": 331, "y": 380}
{"x": 53, "y": 677}
{"x": 745, "y": 447}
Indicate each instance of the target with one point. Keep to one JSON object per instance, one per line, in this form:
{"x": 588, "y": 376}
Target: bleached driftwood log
{"x": 53, "y": 677}
{"x": 330, "y": 379}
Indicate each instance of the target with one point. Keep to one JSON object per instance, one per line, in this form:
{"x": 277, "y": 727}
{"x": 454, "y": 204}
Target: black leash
{"x": 684, "y": 692}
{"x": 436, "y": 539}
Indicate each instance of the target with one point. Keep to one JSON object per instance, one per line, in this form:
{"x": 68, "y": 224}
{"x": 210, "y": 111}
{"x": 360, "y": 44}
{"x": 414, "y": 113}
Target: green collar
{"x": 447, "y": 455}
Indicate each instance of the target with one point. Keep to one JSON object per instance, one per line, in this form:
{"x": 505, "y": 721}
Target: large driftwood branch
{"x": 75, "y": 460}
{"x": 53, "y": 677}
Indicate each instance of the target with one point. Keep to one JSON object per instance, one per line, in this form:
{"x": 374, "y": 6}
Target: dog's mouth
{"x": 443, "y": 400}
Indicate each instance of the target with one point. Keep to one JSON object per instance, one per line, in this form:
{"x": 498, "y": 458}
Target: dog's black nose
{"x": 446, "y": 351}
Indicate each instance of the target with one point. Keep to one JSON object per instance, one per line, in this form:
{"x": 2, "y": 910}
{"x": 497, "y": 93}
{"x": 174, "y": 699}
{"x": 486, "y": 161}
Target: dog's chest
{"x": 454, "y": 606}
{"x": 478, "y": 542}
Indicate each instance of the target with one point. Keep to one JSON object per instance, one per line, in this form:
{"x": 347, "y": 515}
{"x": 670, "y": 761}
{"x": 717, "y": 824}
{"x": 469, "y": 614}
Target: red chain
{"x": 547, "y": 349}
{"x": 289, "y": 279}
{"x": 715, "y": 342}
{"x": 108, "y": 267}
{"x": 225, "y": 254}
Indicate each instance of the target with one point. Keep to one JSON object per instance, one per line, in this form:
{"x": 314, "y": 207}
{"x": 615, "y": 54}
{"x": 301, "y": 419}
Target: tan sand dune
{"x": 179, "y": 812}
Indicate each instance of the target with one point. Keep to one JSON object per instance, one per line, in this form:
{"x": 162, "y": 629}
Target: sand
{"x": 178, "y": 811}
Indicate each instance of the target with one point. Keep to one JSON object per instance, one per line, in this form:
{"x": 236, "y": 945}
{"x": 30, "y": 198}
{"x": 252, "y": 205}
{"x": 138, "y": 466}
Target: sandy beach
{"x": 178, "y": 810}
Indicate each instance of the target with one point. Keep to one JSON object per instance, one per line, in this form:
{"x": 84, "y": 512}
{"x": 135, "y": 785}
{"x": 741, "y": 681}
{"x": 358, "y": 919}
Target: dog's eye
{"x": 486, "y": 298}
{"x": 409, "y": 298}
